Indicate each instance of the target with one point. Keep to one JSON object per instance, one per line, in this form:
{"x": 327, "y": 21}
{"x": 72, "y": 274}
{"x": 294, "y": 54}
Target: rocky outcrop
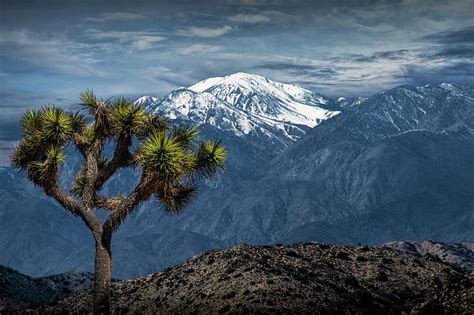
{"x": 459, "y": 255}
{"x": 301, "y": 278}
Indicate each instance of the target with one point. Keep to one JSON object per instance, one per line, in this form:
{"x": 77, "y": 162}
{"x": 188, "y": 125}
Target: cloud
{"x": 460, "y": 68}
{"x": 136, "y": 40}
{"x": 206, "y": 32}
{"x": 451, "y": 44}
{"x": 457, "y": 72}
{"x": 115, "y": 16}
{"x": 358, "y": 19}
{"x": 345, "y": 73}
{"x": 143, "y": 42}
{"x": 359, "y": 46}
{"x": 461, "y": 36}
{"x": 253, "y": 2}
{"x": 167, "y": 75}
{"x": 450, "y": 52}
{"x": 307, "y": 70}
{"x": 249, "y": 18}
{"x": 278, "y": 65}
{"x": 199, "y": 49}
{"x": 48, "y": 51}
{"x": 394, "y": 55}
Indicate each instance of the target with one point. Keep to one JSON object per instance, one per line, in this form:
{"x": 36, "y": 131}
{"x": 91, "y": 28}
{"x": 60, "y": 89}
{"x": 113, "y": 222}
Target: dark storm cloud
{"x": 285, "y": 66}
{"x": 464, "y": 51}
{"x": 173, "y": 81}
{"x": 462, "y": 36}
{"x": 306, "y": 70}
{"x": 382, "y": 55}
{"x": 460, "y": 72}
{"x": 460, "y": 69}
{"x": 391, "y": 55}
{"x": 454, "y": 44}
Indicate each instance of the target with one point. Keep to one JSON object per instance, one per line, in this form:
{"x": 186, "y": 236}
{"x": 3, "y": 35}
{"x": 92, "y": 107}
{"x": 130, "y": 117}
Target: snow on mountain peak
{"x": 261, "y": 96}
{"x": 445, "y": 85}
{"x": 244, "y": 102}
{"x": 146, "y": 100}
{"x": 256, "y": 83}
{"x": 241, "y": 79}
{"x": 450, "y": 87}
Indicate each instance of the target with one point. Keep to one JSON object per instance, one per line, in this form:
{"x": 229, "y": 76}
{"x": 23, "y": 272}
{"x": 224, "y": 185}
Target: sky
{"x": 50, "y": 50}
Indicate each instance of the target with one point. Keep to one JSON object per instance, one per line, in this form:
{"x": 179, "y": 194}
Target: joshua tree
{"x": 170, "y": 160}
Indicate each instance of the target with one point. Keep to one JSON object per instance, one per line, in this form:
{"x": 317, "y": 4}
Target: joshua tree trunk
{"x": 103, "y": 275}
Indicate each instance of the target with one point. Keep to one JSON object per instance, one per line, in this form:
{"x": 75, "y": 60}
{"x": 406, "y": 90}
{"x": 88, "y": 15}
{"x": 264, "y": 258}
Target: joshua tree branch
{"x": 109, "y": 203}
{"x": 141, "y": 193}
{"x": 91, "y": 171}
{"x": 73, "y": 206}
{"x": 121, "y": 158}
{"x": 67, "y": 201}
{"x": 81, "y": 147}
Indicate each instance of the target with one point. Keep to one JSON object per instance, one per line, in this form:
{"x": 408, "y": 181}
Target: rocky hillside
{"x": 19, "y": 291}
{"x": 301, "y": 278}
{"x": 458, "y": 255}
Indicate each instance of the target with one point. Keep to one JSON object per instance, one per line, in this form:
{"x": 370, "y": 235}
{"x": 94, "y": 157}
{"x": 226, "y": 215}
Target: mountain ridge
{"x": 298, "y": 278}
{"x": 353, "y": 178}
{"x": 248, "y": 101}
{"x": 19, "y": 291}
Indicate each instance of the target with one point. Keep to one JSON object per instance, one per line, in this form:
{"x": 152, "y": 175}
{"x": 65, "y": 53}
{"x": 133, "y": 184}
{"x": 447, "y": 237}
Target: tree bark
{"x": 103, "y": 275}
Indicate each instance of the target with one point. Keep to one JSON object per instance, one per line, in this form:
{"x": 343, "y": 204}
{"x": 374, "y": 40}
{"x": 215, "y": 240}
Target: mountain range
{"x": 397, "y": 165}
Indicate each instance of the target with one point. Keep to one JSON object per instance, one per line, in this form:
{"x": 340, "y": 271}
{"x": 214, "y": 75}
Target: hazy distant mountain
{"x": 396, "y": 165}
{"x": 36, "y": 234}
{"x": 399, "y": 165}
{"x": 19, "y": 291}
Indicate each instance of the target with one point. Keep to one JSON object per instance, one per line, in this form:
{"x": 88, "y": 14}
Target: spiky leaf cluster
{"x": 171, "y": 159}
{"x": 40, "y": 152}
{"x": 176, "y": 197}
{"x": 163, "y": 157}
{"x": 47, "y": 169}
{"x": 210, "y": 158}
{"x": 127, "y": 118}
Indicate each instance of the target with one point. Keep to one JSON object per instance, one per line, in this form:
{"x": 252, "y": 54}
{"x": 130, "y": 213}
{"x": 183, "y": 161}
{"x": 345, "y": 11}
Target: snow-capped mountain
{"x": 246, "y": 104}
{"x": 406, "y": 108}
{"x": 145, "y": 100}
{"x": 266, "y": 98}
{"x": 396, "y": 165}
{"x": 344, "y": 103}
